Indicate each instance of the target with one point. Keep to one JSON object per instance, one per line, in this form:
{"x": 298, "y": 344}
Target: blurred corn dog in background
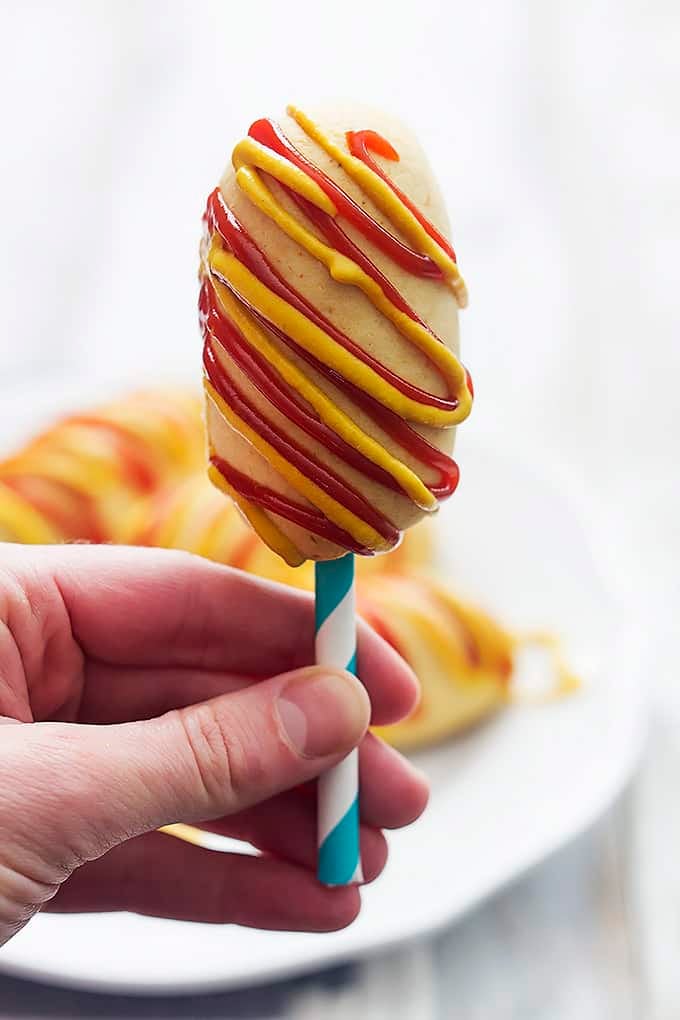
{"x": 132, "y": 471}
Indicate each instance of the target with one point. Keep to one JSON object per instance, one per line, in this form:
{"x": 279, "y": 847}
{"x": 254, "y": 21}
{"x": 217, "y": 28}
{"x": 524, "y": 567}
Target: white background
{"x": 553, "y": 129}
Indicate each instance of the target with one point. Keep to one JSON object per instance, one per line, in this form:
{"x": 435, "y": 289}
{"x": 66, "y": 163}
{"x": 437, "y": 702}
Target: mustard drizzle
{"x": 235, "y": 286}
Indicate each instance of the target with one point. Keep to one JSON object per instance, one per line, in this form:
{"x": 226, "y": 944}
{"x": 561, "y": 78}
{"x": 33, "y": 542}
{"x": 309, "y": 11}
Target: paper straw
{"x": 338, "y": 795}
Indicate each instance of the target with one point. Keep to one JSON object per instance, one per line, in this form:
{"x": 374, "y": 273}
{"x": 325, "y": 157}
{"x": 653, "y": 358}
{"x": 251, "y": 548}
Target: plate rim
{"x": 337, "y": 956}
{"x": 600, "y": 798}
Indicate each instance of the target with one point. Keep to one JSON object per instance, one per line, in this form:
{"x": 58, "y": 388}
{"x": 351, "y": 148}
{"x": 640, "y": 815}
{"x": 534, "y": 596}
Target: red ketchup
{"x": 222, "y": 337}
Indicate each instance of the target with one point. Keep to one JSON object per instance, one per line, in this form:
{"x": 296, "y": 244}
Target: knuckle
{"x": 209, "y": 749}
{"x": 218, "y": 748}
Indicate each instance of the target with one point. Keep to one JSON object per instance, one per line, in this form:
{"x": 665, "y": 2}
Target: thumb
{"x": 104, "y": 784}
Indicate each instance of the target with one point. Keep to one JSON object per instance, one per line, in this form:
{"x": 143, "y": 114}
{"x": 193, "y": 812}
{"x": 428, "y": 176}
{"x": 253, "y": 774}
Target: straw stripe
{"x": 334, "y": 580}
{"x": 338, "y": 816}
{"x": 337, "y": 796}
{"x": 339, "y": 862}
{"x": 336, "y": 638}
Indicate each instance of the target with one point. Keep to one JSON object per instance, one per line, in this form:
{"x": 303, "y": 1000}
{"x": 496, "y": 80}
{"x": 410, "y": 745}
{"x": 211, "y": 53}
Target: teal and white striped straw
{"x": 339, "y": 860}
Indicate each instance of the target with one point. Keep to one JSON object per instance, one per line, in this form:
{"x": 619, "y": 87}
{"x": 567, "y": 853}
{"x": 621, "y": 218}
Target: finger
{"x": 113, "y": 694}
{"x": 393, "y": 793}
{"x": 117, "y": 694}
{"x": 286, "y": 826}
{"x": 164, "y": 877}
{"x": 157, "y": 607}
{"x": 162, "y": 607}
{"x": 208, "y": 760}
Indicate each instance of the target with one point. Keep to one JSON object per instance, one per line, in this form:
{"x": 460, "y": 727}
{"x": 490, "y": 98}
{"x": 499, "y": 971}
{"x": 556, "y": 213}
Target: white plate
{"x": 504, "y": 796}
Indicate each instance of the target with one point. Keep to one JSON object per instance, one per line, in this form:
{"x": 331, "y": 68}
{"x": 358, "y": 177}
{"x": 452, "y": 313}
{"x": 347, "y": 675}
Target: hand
{"x": 141, "y": 687}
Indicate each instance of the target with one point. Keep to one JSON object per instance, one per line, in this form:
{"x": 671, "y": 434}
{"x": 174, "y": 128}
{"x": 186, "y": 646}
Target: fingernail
{"x": 323, "y": 713}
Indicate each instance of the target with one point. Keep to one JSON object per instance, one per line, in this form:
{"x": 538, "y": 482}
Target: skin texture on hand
{"x": 141, "y": 687}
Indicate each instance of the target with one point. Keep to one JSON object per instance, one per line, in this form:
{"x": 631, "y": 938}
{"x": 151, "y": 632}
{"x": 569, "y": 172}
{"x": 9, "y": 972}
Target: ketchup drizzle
{"x": 270, "y": 134}
{"x": 218, "y": 329}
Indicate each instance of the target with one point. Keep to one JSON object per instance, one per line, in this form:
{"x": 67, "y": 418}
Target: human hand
{"x": 141, "y": 687}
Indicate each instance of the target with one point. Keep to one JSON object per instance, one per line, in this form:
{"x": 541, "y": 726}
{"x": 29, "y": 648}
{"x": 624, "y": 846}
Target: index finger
{"x": 162, "y": 608}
